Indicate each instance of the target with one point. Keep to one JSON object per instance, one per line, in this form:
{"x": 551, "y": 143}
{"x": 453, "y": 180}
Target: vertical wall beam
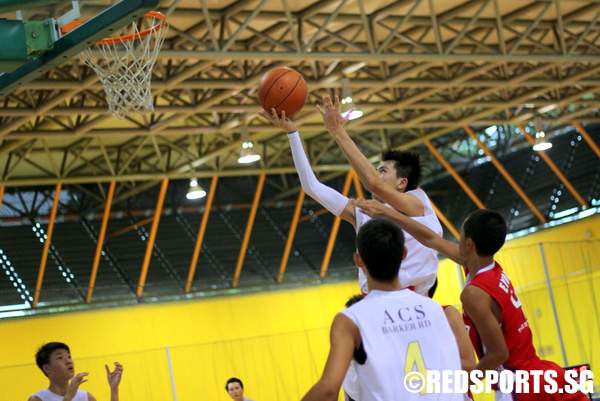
{"x": 242, "y": 256}
{"x": 42, "y": 268}
{"x": 553, "y": 303}
{"x": 335, "y": 228}
{"x": 459, "y": 180}
{"x": 290, "y": 237}
{"x": 587, "y": 137}
{"x": 555, "y": 169}
{"x": 515, "y": 186}
{"x": 152, "y": 237}
{"x": 200, "y": 236}
{"x": 100, "y": 242}
{"x": 1, "y": 194}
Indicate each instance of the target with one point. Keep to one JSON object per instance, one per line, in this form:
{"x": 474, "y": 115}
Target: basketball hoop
{"x": 124, "y": 64}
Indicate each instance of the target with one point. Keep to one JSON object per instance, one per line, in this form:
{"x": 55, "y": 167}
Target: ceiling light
{"x": 248, "y": 158}
{"x": 247, "y": 154}
{"x": 195, "y": 191}
{"x": 352, "y": 114}
{"x": 541, "y": 143}
{"x": 541, "y": 146}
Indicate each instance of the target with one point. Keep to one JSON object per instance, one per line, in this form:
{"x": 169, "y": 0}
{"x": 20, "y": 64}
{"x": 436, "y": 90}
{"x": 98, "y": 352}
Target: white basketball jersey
{"x": 419, "y": 267}
{"x": 401, "y": 330}
{"x": 47, "y": 395}
{"x": 351, "y": 384}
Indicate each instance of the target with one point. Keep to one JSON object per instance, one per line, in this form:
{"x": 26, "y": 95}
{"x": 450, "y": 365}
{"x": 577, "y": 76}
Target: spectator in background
{"x": 235, "y": 389}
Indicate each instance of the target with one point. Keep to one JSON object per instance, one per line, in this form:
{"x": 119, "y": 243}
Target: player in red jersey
{"x": 497, "y": 325}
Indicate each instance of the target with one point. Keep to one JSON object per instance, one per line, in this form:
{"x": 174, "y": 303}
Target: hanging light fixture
{"x": 541, "y": 143}
{"x": 351, "y": 113}
{"x": 247, "y": 154}
{"x": 196, "y": 191}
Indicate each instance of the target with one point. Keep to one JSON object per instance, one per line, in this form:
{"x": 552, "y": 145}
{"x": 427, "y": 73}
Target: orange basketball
{"x": 283, "y": 89}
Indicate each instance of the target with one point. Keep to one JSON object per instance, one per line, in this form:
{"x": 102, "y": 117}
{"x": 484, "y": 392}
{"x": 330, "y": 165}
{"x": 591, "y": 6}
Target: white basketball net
{"x": 125, "y": 69}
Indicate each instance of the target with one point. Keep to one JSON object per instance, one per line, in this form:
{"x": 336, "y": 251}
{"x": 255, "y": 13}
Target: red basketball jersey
{"x": 515, "y": 328}
{"x": 517, "y": 334}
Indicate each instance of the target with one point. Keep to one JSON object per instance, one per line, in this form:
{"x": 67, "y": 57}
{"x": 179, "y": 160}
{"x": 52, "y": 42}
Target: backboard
{"x": 102, "y": 25}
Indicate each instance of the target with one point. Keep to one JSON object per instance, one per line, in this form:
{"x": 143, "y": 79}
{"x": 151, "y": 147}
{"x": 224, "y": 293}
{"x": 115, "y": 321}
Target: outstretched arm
{"x": 419, "y": 231}
{"x": 343, "y": 339}
{"x": 334, "y": 122}
{"x": 465, "y": 348}
{"x": 329, "y": 198}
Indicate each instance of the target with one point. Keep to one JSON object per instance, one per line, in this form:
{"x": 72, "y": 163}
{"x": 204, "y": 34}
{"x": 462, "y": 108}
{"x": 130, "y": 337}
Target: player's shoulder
{"x": 423, "y": 300}
{"x": 473, "y": 294}
{"x": 419, "y": 194}
{"x": 34, "y": 398}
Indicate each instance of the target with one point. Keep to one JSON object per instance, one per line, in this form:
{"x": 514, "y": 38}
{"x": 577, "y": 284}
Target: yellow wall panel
{"x": 277, "y": 342}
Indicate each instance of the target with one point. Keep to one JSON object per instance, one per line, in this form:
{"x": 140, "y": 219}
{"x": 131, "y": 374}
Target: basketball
{"x": 283, "y": 89}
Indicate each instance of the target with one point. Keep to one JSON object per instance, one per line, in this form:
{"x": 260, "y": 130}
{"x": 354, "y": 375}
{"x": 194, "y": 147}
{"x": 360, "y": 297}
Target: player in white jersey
{"x": 401, "y": 331}
{"x": 398, "y": 172}
{"x": 54, "y": 360}
{"x": 395, "y": 183}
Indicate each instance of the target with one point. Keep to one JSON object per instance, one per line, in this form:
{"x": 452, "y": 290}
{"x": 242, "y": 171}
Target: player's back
{"x": 402, "y": 332}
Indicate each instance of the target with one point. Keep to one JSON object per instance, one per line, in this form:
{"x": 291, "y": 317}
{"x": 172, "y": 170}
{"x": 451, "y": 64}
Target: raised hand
{"x": 331, "y": 111}
{"x": 371, "y": 207}
{"x": 114, "y": 377}
{"x": 73, "y": 386}
{"x": 282, "y": 122}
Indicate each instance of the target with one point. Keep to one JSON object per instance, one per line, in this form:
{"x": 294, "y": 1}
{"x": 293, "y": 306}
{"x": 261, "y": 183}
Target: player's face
{"x": 387, "y": 172}
{"x": 236, "y": 392}
{"x": 61, "y": 366}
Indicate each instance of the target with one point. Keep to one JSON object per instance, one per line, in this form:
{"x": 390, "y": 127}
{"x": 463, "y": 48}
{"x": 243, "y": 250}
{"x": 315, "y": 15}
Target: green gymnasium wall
{"x": 277, "y": 342}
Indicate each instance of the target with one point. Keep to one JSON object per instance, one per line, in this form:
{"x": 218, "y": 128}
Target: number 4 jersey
{"x": 402, "y": 333}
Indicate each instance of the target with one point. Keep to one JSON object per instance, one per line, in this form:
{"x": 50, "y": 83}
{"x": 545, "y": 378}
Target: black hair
{"x": 407, "y": 164}
{"x": 487, "y": 229}
{"x": 42, "y": 356}
{"x": 380, "y": 244}
{"x": 233, "y": 380}
{"x": 433, "y": 289}
{"x": 354, "y": 299}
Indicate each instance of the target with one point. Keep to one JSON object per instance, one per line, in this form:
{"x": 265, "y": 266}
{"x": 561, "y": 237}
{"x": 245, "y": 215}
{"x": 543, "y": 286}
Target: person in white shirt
{"x": 395, "y": 181}
{"x": 400, "y": 330}
{"x": 54, "y": 360}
